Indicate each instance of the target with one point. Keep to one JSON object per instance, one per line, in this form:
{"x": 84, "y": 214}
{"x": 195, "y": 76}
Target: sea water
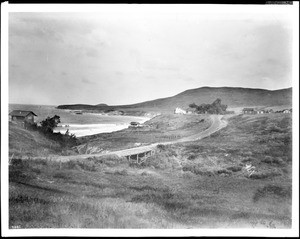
{"x": 80, "y": 124}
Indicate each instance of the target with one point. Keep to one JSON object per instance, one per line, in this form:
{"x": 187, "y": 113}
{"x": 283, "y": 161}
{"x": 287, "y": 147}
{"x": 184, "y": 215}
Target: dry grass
{"x": 191, "y": 185}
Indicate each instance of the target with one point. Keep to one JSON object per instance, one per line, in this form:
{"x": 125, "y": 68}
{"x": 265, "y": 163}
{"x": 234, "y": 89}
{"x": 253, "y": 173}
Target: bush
{"x": 160, "y": 161}
{"x": 224, "y": 171}
{"x": 109, "y": 160}
{"x": 198, "y": 171}
{"x": 272, "y": 160}
{"x": 273, "y": 190}
{"x": 121, "y": 172}
{"x": 87, "y": 165}
{"x": 192, "y": 157}
{"x": 20, "y": 171}
{"x": 265, "y": 174}
{"x": 62, "y": 175}
{"x": 161, "y": 147}
{"x": 235, "y": 168}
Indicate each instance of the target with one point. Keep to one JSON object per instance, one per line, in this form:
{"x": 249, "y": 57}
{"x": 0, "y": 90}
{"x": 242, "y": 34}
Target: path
{"x": 217, "y": 124}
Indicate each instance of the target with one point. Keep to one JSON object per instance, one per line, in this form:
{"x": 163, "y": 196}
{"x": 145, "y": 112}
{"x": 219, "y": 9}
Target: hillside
{"x": 231, "y": 96}
{"x": 24, "y": 142}
{"x": 198, "y": 184}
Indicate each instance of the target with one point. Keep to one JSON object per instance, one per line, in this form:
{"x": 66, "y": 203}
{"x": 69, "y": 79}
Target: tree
{"x": 49, "y": 124}
{"x": 215, "y": 108}
{"x": 193, "y": 105}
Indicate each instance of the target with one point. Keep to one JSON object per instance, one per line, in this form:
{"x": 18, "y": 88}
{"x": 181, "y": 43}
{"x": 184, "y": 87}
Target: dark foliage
{"x": 215, "y": 108}
{"x": 47, "y": 127}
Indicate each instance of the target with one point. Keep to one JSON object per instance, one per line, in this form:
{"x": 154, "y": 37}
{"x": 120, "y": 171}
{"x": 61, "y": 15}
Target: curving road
{"x": 217, "y": 124}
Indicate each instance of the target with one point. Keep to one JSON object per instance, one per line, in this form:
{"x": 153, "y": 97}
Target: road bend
{"x": 217, "y": 124}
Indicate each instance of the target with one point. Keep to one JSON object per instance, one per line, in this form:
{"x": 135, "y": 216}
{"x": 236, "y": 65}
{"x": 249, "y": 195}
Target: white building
{"x": 179, "y": 111}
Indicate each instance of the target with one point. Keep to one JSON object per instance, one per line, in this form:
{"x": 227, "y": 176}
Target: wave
{"x": 89, "y": 125}
{"x": 90, "y": 129}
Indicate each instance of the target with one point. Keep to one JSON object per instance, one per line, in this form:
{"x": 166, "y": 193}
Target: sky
{"x": 124, "y": 55}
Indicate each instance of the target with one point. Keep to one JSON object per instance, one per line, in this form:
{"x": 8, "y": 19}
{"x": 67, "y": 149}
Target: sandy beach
{"x": 89, "y": 129}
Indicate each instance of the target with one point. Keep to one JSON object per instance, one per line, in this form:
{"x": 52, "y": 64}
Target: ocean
{"x": 80, "y": 124}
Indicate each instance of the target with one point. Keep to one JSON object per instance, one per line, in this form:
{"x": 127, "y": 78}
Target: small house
{"x": 287, "y": 111}
{"x": 249, "y": 111}
{"x": 269, "y": 111}
{"x": 134, "y": 124}
{"x": 260, "y": 111}
{"x": 22, "y": 116}
{"x": 179, "y": 111}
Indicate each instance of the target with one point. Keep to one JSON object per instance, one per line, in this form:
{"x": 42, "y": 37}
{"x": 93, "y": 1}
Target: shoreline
{"x": 81, "y": 130}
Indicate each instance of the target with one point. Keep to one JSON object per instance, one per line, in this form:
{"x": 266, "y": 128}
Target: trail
{"x": 217, "y": 124}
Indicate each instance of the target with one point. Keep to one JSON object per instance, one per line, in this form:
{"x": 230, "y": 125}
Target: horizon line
{"x": 215, "y": 87}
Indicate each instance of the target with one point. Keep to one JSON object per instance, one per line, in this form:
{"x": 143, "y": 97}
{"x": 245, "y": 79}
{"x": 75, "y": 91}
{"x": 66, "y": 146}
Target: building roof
{"x": 134, "y": 123}
{"x": 248, "y": 109}
{"x": 22, "y": 113}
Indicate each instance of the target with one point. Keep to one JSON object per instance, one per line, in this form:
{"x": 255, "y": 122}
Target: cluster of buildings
{"x": 268, "y": 111}
{"x": 182, "y": 111}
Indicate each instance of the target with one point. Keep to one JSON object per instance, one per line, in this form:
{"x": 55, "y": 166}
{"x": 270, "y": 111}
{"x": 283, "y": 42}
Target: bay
{"x": 80, "y": 124}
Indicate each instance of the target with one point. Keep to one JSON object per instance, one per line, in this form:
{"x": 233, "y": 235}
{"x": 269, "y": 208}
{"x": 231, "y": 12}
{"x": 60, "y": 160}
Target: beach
{"x": 89, "y": 129}
{"x": 80, "y": 124}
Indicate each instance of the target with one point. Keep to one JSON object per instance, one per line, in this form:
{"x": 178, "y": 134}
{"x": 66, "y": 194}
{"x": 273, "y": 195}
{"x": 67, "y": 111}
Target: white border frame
{"x": 279, "y": 9}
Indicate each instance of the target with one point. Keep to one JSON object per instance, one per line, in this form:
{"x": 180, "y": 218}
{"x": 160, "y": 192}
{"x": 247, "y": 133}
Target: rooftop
{"x": 22, "y": 113}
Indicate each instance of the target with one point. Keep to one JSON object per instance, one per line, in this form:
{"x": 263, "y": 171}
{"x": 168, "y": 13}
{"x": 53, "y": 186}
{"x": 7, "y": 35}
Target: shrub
{"x": 161, "y": 147}
{"x": 87, "y": 165}
{"x": 272, "y": 160}
{"x": 121, "y": 172}
{"x": 20, "y": 199}
{"x": 160, "y": 161}
{"x": 265, "y": 174}
{"x": 62, "y": 175}
{"x": 70, "y": 165}
{"x": 282, "y": 192}
{"x": 267, "y": 159}
{"x": 20, "y": 171}
{"x": 235, "y": 168}
{"x": 192, "y": 157}
{"x": 110, "y": 160}
{"x": 223, "y": 171}
{"x": 197, "y": 171}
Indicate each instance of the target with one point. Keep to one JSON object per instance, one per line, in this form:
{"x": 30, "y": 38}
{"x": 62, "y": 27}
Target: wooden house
{"x": 249, "y": 111}
{"x": 287, "y": 111}
{"x": 260, "y": 111}
{"x": 179, "y": 111}
{"x": 22, "y": 116}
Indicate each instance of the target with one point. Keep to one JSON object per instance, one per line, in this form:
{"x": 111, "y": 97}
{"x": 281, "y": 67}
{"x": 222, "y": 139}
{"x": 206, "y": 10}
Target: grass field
{"x": 24, "y": 142}
{"x": 201, "y": 184}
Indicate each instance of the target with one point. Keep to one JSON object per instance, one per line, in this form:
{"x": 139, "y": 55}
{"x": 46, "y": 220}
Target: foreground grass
{"x": 24, "y": 142}
{"x": 199, "y": 184}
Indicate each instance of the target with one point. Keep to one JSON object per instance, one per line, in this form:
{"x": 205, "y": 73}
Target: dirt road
{"x": 217, "y": 124}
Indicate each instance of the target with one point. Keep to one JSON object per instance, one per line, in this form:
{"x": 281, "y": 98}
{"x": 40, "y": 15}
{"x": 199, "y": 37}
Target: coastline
{"x": 81, "y": 130}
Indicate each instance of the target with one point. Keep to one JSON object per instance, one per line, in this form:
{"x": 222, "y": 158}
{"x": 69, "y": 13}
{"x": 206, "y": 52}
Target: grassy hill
{"x": 231, "y": 96}
{"x": 30, "y": 143}
{"x": 200, "y": 184}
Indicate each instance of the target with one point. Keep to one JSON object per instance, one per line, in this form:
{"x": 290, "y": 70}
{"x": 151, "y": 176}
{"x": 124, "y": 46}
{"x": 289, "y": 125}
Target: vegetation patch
{"x": 272, "y": 190}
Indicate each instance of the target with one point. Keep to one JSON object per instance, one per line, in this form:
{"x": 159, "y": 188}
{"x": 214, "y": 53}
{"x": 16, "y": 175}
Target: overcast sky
{"x": 130, "y": 56}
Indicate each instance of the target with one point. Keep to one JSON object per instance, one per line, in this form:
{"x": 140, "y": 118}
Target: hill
{"x": 24, "y": 142}
{"x": 231, "y": 96}
{"x": 197, "y": 184}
